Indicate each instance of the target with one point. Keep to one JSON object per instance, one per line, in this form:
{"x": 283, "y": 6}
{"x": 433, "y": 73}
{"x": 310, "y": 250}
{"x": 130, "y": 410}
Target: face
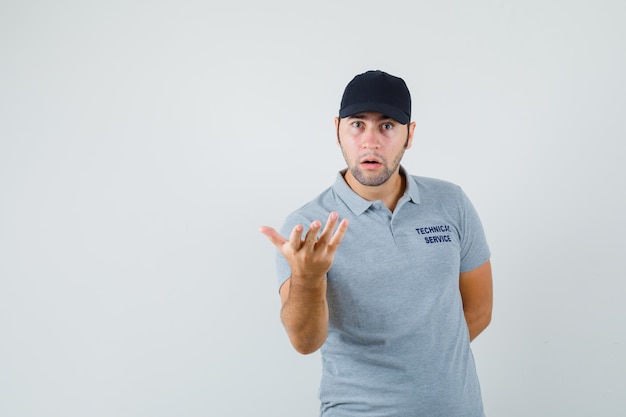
{"x": 373, "y": 145}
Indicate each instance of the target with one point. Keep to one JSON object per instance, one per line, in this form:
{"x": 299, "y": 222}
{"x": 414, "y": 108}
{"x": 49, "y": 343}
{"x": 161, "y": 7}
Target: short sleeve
{"x": 474, "y": 248}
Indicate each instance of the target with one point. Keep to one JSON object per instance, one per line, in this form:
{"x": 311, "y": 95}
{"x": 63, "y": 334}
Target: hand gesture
{"x": 309, "y": 258}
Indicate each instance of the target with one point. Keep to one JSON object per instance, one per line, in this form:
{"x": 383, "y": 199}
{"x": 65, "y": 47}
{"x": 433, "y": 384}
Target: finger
{"x": 339, "y": 234}
{"x": 273, "y": 236}
{"x": 330, "y": 226}
{"x": 311, "y": 234}
{"x": 295, "y": 238}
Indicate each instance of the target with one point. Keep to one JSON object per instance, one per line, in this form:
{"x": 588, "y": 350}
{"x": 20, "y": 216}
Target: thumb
{"x": 273, "y": 236}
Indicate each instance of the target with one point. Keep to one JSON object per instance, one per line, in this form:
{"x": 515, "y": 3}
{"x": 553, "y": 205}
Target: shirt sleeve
{"x": 474, "y": 248}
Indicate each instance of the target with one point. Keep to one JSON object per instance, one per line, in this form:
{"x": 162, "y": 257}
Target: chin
{"x": 370, "y": 181}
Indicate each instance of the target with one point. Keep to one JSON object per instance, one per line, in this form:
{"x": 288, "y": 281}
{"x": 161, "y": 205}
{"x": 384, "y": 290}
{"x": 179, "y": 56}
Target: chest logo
{"x": 435, "y": 234}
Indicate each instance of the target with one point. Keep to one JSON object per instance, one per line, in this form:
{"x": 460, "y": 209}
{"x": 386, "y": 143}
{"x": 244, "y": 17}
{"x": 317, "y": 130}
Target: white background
{"x": 143, "y": 143}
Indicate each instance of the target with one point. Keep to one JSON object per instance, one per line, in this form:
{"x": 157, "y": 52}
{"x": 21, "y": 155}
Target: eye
{"x": 387, "y": 126}
{"x": 356, "y": 124}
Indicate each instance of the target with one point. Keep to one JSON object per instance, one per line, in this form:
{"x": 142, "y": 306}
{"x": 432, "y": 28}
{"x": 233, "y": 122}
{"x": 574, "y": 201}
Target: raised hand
{"x": 310, "y": 257}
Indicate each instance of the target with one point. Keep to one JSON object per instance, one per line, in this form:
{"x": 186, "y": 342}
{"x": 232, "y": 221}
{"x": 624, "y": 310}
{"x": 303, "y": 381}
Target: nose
{"x": 370, "y": 139}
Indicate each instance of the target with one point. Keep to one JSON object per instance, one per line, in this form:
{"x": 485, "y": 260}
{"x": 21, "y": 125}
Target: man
{"x": 397, "y": 282}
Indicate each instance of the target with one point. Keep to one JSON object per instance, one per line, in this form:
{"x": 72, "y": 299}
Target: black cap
{"x": 379, "y": 92}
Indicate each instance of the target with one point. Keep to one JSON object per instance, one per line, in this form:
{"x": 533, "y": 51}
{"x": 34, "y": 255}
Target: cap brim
{"x": 383, "y": 108}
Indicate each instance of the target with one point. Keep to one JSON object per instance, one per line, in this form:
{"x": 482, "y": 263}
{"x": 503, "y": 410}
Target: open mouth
{"x": 371, "y": 163}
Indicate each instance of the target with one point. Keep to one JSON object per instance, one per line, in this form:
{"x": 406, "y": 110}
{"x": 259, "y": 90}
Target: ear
{"x": 409, "y": 141}
{"x": 337, "y": 120}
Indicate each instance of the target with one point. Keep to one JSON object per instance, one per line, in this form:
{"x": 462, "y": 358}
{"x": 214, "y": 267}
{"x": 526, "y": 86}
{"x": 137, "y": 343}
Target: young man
{"x": 397, "y": 282}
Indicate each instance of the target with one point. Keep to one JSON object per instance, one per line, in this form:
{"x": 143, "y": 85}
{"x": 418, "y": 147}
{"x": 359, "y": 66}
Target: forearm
{"x": 477, "y": 294}
{"x": 305, "y": 316}
{"x": 477, "y": 321}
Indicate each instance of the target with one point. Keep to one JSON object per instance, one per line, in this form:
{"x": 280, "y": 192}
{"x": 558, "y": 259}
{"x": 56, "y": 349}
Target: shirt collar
{"x": 359, "y": 205}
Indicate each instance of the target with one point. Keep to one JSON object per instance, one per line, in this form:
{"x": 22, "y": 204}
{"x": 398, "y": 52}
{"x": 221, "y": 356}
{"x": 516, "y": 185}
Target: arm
{"x": 304, "y": 314}
{"x": 304, "y": 310}
{"x": 477, "y": 293}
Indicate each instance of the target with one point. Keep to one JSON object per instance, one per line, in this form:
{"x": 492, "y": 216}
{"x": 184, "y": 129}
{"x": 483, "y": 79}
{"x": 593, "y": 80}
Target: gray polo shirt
{"x": 398, "y": 344}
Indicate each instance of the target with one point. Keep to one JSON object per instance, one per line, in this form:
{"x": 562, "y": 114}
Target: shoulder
{"x": 315, "y": 209}
{"x": 433, "y": 182}
{"x": 436, "y": 188}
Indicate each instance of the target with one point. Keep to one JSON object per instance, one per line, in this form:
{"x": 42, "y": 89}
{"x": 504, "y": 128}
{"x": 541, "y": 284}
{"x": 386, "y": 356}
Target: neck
{"x": 389, "y": 192}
